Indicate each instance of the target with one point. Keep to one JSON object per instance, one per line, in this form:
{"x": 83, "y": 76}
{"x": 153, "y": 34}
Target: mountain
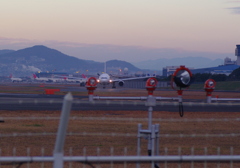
{"x": 42, "y": 58}
{"x": 113, "y": 64}
{"x": 133, "y": 53}
{"x": 191, "y": 62}
{"x": 6, "y": 51}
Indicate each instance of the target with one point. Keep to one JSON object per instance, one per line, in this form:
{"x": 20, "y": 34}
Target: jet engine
{"x": 121, "y": 83}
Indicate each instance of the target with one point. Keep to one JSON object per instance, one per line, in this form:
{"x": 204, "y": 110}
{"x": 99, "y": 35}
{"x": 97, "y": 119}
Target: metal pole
{"x": 90, "y": 97}
{"x": 157, "y": 142}
{"x": 153, "y": 135}
{"x": 142, "y": 159}
{"x": 226, "y": 99}
{"x": 209, "y": 98}
{"x": 139, "y": 143}
{"x": 62, "y": 129}
{"x": 150, "y": 109}
{"x": 180, "y": 98}
{"x": 117, "y": 98}
{"x": 157, "y": 138}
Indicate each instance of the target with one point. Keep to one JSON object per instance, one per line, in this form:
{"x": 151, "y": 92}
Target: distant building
{"x": 226, "y": 69}
{"x": 169, "y": 70}
{"x": 222, "y": 69}
{"x": 237, "y": 53}
{"x": 228, "y": 61}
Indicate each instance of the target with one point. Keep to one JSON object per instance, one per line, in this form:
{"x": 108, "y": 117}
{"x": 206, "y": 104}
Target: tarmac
{"x": 34, "y": 102}
{"x": 40, "y": 102}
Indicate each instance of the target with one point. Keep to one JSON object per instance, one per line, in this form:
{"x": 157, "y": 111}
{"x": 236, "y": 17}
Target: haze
{"x": 186, "y": 25}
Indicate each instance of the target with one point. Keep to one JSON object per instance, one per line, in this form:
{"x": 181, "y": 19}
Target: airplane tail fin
{"x": 105, "y": 67}
{"x": 10, "y": 76}
{"x": 84, "y": 76}
{"x": 34, "y": 76}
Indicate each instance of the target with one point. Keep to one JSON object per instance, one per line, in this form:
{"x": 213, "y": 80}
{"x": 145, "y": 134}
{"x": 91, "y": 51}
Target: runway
{"x": 33, "y": 102}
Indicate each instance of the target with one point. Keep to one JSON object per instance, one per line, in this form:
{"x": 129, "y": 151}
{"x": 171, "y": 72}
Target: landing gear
{"x": 82, "y": 84}
{"x": 113, "y": 86}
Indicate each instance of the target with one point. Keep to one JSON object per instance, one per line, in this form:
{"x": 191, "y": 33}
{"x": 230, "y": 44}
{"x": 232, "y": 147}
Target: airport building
{"x": 228, "y": 61}
{"x": 237, "y": 53}
{"x": 222, "y": 69}
{"x": 226, "y": 69}
{"x": 169, "y": 70}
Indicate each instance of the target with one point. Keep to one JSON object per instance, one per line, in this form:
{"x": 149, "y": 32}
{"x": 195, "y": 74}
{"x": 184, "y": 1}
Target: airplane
{"x": 82, "y": 80}
{"x": 105, "y": 79}
{"x": 77, "y": 79}
{"x": 42, "y": 79}
{"x": 15, "y": 79}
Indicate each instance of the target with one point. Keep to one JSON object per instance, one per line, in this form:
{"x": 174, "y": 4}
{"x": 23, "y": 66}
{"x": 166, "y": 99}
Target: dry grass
{"x": 75, "y": 145}
{"x": 115, "y": 126}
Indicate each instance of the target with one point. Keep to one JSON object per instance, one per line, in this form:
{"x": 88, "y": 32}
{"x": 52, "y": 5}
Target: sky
{"x": 71, "y": 25}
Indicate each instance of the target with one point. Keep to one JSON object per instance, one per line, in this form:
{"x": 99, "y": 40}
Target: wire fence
{"x": 102, "y": 140}
{"x": 137, "y": 101}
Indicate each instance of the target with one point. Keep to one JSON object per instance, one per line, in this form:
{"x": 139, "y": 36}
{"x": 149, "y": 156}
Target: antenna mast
{"x": 105, "y": 67}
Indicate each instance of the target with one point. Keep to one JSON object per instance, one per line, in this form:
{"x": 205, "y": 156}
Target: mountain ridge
{"x": 191, "y": 62}
{"x": 6, "y": 51}
{"x": 42, "y": 58}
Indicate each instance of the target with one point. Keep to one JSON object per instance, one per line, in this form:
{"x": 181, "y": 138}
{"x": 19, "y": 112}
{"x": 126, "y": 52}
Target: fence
{"x": 109, "y": 139}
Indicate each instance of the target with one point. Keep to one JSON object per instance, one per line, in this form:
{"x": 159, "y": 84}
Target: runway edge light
{"x": 182, "y": 78}
{"x": 209, "y": 87}
{"x": 91, "y": 85}
{"x": 151, "y": 85}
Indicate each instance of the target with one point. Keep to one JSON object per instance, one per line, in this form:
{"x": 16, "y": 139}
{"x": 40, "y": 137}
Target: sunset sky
{"x": 192, "y": 25}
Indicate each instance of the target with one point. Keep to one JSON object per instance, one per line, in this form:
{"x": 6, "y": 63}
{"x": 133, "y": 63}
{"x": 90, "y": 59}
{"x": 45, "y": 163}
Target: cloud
{"x": 235, "y": 10}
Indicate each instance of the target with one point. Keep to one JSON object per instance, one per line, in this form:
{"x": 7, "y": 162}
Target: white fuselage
{"x": 16, "y": 79}
{"x": 42, "y": 79}
{"x": 76, "y": 80}
{"x": 71, "y": 79}
{"x": 104, "y": 79}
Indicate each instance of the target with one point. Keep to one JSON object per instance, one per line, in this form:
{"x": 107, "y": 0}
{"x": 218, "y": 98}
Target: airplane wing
{"x": 127, "y": 79}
